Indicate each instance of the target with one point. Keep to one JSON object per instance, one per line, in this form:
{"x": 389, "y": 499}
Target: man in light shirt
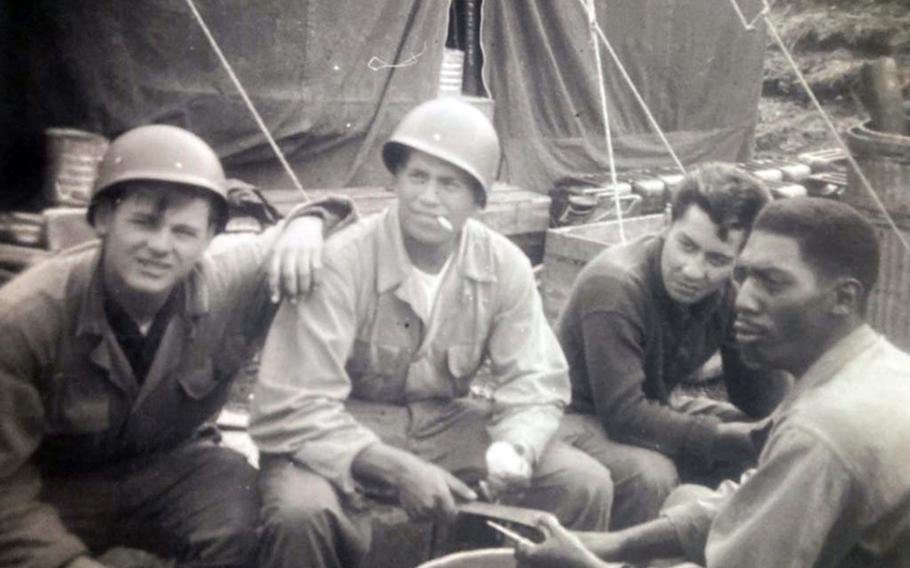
{"x": 373, "y": 380}
{"x": 832, "y": 485}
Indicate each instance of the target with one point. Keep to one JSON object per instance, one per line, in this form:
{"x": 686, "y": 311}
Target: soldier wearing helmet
{"x": 116, "y": 352}
{"x": 373, "y": 383}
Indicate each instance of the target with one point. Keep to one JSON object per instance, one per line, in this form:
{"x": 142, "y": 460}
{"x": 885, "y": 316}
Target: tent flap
{"x": 694, "y": 64}
{"x": 323, "y": 75}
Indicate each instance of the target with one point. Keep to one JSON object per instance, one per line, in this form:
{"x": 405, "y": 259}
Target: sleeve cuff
{"x": 530, "y": 429}
{"x": 339, "y": 207}
{"x": 332, "y": 460}
{"x": 691, "y": 525}
{"x": 698, "y": 443}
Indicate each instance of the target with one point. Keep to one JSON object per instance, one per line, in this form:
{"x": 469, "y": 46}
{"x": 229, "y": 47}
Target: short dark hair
{"x": 833, "y": 238}
{"x": 729, "y": 195}
{"x": 218, "y": 210}
{"x": 399, "y": 154}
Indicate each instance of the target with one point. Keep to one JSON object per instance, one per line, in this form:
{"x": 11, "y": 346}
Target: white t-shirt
{"x": 430, "y": 283}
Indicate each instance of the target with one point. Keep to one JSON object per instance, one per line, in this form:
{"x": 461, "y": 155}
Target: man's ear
{"x": 848, "y": 297}
{"x": 211, "y": 233}
{"x": 102, "y": 218}
{"x": 667, "y": 219}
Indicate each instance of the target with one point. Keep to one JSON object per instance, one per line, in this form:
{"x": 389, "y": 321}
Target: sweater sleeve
{"x": 528, "y": 365}
{"x": 613, "y": 335}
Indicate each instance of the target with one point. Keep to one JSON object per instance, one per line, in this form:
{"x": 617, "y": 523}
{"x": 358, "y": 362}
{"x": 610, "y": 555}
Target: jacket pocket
{"x": 378, "y": 371}
{"x": 81, "y": 405}
{"x": 199, "y": 382}
{"x": 464, "y": 360}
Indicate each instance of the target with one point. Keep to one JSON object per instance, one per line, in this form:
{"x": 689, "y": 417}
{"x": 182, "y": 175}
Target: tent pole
{"x": 246, "y": 99}
{"x": 608, "y": 136}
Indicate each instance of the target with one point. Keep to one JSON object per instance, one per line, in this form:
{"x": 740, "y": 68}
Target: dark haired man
{"x": 115, "y": 352}
{"x": 832, "y": 485}
{"x": 643, "y": 316}
{"x": 370, "y": 381}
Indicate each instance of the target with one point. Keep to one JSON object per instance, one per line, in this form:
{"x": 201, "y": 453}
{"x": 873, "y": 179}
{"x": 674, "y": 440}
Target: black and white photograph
{"x": 455, "y": 284}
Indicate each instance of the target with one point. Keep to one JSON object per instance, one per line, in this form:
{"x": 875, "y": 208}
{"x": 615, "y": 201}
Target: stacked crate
{"x": 56, "y": 218}
{"x": 591, "y": 225}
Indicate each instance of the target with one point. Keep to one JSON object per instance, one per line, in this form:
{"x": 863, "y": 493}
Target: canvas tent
{"x": 331, "y": 78}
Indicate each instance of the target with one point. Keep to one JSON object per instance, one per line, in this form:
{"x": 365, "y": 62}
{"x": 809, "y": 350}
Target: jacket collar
{"x": 92, "y": 318}
{"x": 655, "y": 275}
{"x": 474, "y": 255}
{"x": 831, "y": 362}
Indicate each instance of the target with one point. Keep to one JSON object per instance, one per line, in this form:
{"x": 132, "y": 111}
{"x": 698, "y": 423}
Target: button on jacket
{"x": 366, "y": 333}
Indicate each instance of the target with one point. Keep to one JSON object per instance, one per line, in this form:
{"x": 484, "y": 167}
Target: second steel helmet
{"x": 161, "y": 152}
{"x": 452, "y": 130}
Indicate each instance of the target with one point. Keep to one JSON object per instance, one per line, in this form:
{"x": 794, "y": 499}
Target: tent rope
{"x": 864, "y": 181}
{"x": 592, "y": 23}
{"x": 750, "y": 26}
{"x": 638, "y": 97}
{"x": 246, "y": 99}
{"x": 376, "y": 63}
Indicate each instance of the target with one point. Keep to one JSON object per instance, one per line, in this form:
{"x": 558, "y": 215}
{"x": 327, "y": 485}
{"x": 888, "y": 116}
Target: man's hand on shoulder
{"x": 296, "y": 260}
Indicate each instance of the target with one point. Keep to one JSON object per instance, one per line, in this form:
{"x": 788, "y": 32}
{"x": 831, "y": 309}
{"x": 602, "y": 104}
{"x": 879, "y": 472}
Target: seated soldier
{"x": 642, "y": 317}
{"x": 114, "y": 354}
{"x": 832, "y": 485}
{"x": 368, "y": 381}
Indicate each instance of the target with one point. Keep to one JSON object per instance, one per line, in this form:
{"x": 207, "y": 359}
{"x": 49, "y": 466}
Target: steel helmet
{"x": 161, "y": 152}
{"x": 452, "y": 130}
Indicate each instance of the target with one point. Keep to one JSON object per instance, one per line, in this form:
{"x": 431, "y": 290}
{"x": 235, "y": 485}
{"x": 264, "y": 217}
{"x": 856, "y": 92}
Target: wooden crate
{"x": 15, "y": 258}
{"x": 568, "y": 249}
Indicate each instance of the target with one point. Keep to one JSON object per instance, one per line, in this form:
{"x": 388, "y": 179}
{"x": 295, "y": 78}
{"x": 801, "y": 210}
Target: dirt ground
{"x": 830, "y": 41}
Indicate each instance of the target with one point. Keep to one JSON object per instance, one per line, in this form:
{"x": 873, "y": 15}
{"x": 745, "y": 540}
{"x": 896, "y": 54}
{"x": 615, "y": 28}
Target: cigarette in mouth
{"x": 446, "y": 224}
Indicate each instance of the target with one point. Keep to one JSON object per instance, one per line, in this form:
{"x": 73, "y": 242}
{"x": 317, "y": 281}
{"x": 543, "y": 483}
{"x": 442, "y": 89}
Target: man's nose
{"x": 694, "y": 268}
{"x": 746, "y": 300}
{"x": 430, "y": 193}
{"x": 160, "y": 240}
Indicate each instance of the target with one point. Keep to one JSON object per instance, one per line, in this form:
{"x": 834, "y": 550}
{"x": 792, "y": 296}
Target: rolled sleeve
{"x": 243, "y": 261}
{"x": 299, "y": 401}
{"x": 336, "y": 211}
{"x": 529, "y": 368}
{"x": 692, "y": 520}
{"x": 782, "y": 515}
{"x": 237, "y": 278}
